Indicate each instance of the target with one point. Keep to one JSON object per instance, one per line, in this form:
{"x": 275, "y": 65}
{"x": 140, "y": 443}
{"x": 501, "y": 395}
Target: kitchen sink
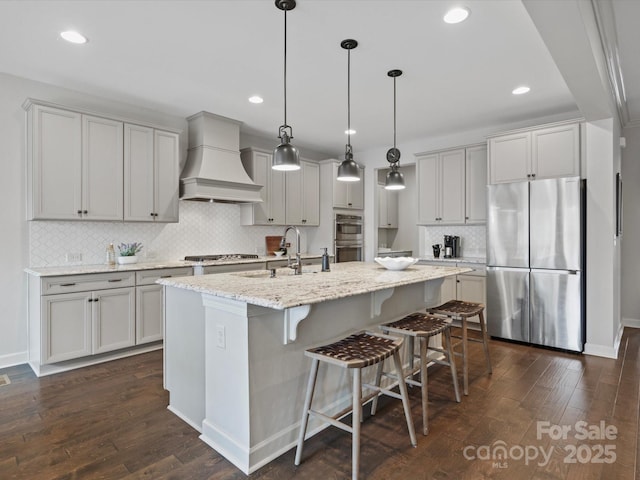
{"x": 280, "y": 272}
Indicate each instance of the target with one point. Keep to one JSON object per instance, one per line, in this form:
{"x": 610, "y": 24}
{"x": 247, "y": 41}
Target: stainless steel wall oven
{"x": 349, "y": 238}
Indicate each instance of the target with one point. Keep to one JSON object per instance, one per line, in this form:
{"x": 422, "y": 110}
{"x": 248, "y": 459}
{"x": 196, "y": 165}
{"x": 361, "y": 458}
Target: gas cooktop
{"x": 222, "y": 256}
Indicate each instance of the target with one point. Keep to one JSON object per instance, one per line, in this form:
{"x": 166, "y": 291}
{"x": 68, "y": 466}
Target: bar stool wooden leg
{"x": 374, "y": 402}
{"x": 452, "y": 363}
{"x": 423, "y": 381}
{"x": 405, "y": 397}
{"x": 313, "y": 374}
{"x": 356, "y": 418}
{"x": 465, "y": 360}
{"x": 485, "y": 341}
{"x": 410, "y": 352}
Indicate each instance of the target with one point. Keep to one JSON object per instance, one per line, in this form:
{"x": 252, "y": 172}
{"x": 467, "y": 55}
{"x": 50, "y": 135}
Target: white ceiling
{"x": 181, "y": 57}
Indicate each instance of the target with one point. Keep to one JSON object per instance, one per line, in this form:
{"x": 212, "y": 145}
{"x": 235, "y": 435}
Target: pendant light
{"x": 285, "y": 155}
{"x": 348, "y": 170}
{"x": 395, "y": 179}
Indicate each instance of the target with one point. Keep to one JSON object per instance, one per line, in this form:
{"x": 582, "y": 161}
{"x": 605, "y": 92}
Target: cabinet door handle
{"x": 533, "y": 175}
{"x": 166, "y": 276}
{"x": 67, "y": 284}
{"x": 90, "y": 300}
{"x": 115, "y": 280}
{"x": 79, "y": 212}
{"x": 84, "y": 212}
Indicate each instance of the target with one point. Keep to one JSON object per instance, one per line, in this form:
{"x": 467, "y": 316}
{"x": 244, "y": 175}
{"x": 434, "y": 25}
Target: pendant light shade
{"x": 348, "y": 170}
{"x": 285, "y": 155}
{"x": 395, "y": 179}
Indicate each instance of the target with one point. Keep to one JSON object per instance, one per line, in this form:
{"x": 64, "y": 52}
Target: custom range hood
{"x": 214, "y": 171}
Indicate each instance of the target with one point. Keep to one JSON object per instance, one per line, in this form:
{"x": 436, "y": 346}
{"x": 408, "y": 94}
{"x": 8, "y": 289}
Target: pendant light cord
{"x": 349, "y": 97}
{"x": 285, "y": 68}
{"x": 394, "y": 112}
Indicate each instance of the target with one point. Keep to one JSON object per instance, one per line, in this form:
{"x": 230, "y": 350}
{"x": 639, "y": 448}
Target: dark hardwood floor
{"x": 110, "y": 422}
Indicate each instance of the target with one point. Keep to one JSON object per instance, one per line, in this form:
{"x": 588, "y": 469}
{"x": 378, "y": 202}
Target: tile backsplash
{"x": 204, "y": 228}
{"x": 473, "y": 242}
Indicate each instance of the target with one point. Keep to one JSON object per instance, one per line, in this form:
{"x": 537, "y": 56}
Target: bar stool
{"x": 460, "y": 310}
{"x": 422, "y": 326}
{"x": 359, "y": 350}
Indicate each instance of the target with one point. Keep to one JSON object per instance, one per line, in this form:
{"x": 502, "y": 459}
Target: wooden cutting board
{"x": 272, "y": 244}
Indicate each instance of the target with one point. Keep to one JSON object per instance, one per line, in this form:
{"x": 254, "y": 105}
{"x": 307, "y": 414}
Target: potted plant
{"x": 127, "y": 252}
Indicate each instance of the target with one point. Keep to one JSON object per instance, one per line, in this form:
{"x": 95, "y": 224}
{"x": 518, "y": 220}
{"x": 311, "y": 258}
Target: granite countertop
{"x": 478, "y": 260}
{"x": 149, "y": 265}
{"x": 288, "y": 290}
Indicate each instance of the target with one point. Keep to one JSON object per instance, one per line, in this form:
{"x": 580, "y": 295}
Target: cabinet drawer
{"x": 83, "y": 283}
{"x": 149, "y": 277}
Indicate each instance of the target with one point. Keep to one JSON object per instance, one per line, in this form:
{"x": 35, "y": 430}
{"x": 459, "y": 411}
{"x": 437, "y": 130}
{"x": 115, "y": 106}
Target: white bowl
{"x": 278, "y": 253}
{"x": 395, "y": 263}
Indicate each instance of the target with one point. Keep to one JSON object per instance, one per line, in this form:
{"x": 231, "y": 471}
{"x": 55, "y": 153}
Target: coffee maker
{"x": 451, "y": 246}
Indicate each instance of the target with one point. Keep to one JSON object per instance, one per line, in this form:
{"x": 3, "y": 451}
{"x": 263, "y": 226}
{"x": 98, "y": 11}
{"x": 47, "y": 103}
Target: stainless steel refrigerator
{"x": 535, "y": 262}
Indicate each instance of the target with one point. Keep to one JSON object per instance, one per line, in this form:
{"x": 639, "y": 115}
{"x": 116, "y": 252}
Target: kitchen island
{"x": 234, "y": 346}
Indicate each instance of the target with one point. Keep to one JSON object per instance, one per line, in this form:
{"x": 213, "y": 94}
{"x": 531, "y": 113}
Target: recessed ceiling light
{"x": 456, "y": 15}
{"x": 73, "y": 37}
{"x": 520, "y": 90}
{"x": 350, "y": 132}
{"x": 256, "y": 99}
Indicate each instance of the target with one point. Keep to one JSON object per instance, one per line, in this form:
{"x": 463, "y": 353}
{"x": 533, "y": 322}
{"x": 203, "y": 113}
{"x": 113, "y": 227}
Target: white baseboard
{"x": 605, "y": 350}
{"x": 600, "y": 350}
{"x": 14, "y": 359}
{"x": 631, "y": 322}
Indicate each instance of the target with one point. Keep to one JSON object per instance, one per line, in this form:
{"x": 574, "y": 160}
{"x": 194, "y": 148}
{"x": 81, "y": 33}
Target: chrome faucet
{"x": 298, "y": 265}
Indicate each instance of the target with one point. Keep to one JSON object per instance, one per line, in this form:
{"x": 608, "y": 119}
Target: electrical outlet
{"x": 73, "y": 257}
{"x": 221, "y": 338}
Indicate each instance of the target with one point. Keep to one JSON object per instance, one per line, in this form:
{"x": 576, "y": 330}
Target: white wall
{"x": 631, "y": 228}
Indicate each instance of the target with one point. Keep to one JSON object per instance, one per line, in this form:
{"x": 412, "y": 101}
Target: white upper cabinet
{"x": 348, "y": 194}
{"x": 88, "y": 167}
{"x": 441, "y": 188}
{"x": 303, "y": 195}
{"x": 510, "y": 158}
{"x": 150, "y": 174}
{"x": 547, "y": 152}
{"x": 476, "y": 184}
{"x": 74, "y": 166}
{"x": 54, "y": 151}
{"x": 102, "y": 189}
{"x": 138, "y": 173}
{"x": 387, "y": 208}
{"x": 271, "y": 211}
{"x": 165, "y": 175}
{"x": 556, "y": 151}
{"x": 288, "y": 198}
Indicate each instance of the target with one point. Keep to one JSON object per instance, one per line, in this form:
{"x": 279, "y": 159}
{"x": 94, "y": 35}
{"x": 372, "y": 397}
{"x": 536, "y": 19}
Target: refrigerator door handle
{"x": 555, "y": 272}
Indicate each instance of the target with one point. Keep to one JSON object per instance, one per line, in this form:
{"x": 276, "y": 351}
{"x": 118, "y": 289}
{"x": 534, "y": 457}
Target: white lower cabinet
{"x": 74, "y": 317}
{"x": 149, "y": 306}
{"x": 470, "y": 287}
{"x": 86, "y": 323}
{"x": 113, "y": 319}
{"x": 150, "y": 302}
{"x": 66, "y": 326}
